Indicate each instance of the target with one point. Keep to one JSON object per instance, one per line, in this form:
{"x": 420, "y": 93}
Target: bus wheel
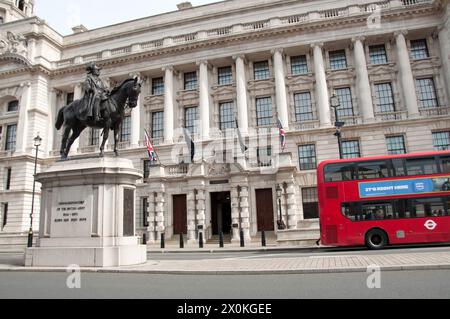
{"x": 376, "y": 239}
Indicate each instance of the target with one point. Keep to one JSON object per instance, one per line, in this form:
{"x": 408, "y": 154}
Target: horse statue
{"x": 112, "y": 113}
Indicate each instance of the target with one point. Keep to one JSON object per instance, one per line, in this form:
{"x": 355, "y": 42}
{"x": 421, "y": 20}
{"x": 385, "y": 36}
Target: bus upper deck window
{"x": 445, "y": 164}
{"x": 339, "y": 172}
{"x": 421, "y": 166}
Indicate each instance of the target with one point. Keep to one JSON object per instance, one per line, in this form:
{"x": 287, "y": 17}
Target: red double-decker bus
{"x": 386, "y": 200}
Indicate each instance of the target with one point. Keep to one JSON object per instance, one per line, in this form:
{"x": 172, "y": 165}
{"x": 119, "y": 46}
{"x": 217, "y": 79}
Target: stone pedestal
{"x": 87, "y": 215}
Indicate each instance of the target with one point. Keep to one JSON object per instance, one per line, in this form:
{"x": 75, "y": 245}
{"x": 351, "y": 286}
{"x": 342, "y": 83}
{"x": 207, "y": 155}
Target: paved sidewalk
{"x": 266, "y": 265}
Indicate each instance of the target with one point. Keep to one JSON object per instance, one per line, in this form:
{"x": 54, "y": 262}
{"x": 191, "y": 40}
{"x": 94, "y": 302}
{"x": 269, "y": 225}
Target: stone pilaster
{"x": 322, "y": 97}
{"x": 235, "y": 213}
{"x": 291, "y": 204}
{"x": 204, "y": 99}
{"x": 25, "y": 100}
{"x": 280, "y": 84}
{"x": 245, "y": 212}
{"x": 444, "y": 45}
{"x": 169, "y": 104}
{"x": 51, "y": 130}
{"x": 77, "y": 94}
{"x": 241, "y": 92}
{"x": 151, "y": 219}
{"x": 201, "y": 208}
{"x": 136, "y": 122}
{"x": 191, "y": 222}
{"x": 160, "y": 203}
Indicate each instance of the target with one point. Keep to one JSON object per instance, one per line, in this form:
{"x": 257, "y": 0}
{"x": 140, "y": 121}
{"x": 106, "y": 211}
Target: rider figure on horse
{"x": 95, "y": 92}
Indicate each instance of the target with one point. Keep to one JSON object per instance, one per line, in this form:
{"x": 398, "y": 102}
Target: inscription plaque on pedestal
{"x": 128, "y": 212}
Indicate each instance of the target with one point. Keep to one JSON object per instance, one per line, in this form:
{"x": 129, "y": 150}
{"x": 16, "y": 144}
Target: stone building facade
{"x": 246, "y": 63}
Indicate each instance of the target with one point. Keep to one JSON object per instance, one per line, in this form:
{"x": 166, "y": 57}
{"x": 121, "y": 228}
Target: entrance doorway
{"x": 179, "y": 214}
{"x": 264, "y": 208}
{"x": 221, "y": 212}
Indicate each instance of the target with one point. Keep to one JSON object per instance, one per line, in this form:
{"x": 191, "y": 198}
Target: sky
{"x": 62, "y": 15}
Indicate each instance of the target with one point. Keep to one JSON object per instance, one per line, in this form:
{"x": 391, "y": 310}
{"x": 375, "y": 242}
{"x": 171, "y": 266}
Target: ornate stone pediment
{"x": 300, "y": 79}
{"x": 261, "y": 85}
{"x": 340, "y": 74}
{"x": 217, "y": 169}
{"x": 426, "y": 64}
{"x": 11, "y": 62}
{"x": 152, "y": 100}
{"x": 13, "y": 44}
{"x": 188, "y": 97}
{"x": 382, "y": 69}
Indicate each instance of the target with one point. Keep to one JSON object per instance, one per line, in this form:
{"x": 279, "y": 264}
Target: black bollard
{"x": 163, "y": 243}
{"x": 144, "y": 239}
{"x": 242, "y": 238}
{"x": 200, "y": 240}
{"x": 263, "y": 238}
{"x": 221, "y": 240}
{"x": 181, "y": 241}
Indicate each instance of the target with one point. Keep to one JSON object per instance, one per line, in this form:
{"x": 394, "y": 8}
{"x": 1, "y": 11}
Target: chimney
{"x": 79, "y": 29}
{"x": 184, "y": 5}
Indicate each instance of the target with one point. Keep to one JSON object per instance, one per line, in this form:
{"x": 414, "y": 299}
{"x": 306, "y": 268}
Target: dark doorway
{"x": 179, "y": 214}
{"x": 264, "y": 208}
{"x": 221, "y": 212}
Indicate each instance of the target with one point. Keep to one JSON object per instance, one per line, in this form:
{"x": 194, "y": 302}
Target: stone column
{"x": 151, "y": 219}
{"x": 191, "y": 224}
{"x": 160, "y": 202}
{"x": 444, "y": 45}
{"x": 52, "y": 109}
{"x": 322, "y": 97}
{"x": 291, "y": 204}
{"x": 201, "y": 210}
{"x": 204, "y": 98}
{"x": 22, "y": 125}
{"x": 241, "y": 92}
{"x": 136, "y": 124}
{"x": 245, "y": 213}
{"x": 169, "y": 105}
{"x": 363, "y": 84}
{"x": 235, "y": 214}
{"x": 406, "y": 75}
{"x": 77, "y": 94}
{"x": 280, "y": 84}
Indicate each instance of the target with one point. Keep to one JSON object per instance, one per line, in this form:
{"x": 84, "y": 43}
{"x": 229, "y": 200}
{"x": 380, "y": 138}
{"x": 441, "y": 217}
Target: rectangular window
{"x": 303, "y": 107}
{"x": 158, "y": 86}
{"x": 345, "y": 108}
{"x": 69, "y": 98}
{"x": 338, "y": 60}
{"x": 125, "y": 130}
{"x": 190, "y": 81}
{"x": 8, "y": 178}
{"x": 13, "y": 106}
{"x": 427, "y": 93}
{"x": 11, "y": 132}
{"x": 378, "y": 54}
{"x": 190, "y": 119}
{"x": 225, "y": 75}
{"x": 94, "y": 138}
{"x": 158, "y": 124}
{"x": 385, "y": 98}
{"x": 261, "y": 70}
{"x": 264, "y": 156}
{"x": 419, "y": 49}
{"x": 226, "y": 116}
{"x": 421, "y": 166}
{"x": 145, "y": 212}
{"x": 147, "y": 165}
{"x": 310, "y": 203}
{"x": 441, "y": 141}
{"x": 396, "y": 145}
{"x": 307, "y": 157}
{"x": 5, "y": 215}
{"x": 350, "y": 149}
{"x": 264, "y": 111}
{"x": 299, "y": 65}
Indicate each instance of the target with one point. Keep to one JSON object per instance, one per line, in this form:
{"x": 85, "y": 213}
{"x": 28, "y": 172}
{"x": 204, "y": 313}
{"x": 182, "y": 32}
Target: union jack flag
{"x": 151, "y": 151}
{"x": 282, "y": 135}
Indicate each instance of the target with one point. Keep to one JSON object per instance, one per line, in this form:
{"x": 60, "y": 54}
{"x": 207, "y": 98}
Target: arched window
{"x": 13, "y": 106}
{"x": 21, "y": 5}
{"x": 1, "y": 20}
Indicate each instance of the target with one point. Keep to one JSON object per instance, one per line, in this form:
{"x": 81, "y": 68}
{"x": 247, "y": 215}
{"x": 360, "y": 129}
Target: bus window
{"x": 339, "y": 172}
{"x": 445, "y": 164}
{"x": 421, "y": 166}
{"x": 371, "y": 170}
{"x": 377, "y": 211}
{"x": 429, "y": 207}
{"x": 398, "y": 166}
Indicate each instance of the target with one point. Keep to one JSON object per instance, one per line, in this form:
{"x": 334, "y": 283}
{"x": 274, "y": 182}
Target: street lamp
{"x": 37, "y": 143}
{"x": 281, "y": 224}
{"x": 335, "y": 103}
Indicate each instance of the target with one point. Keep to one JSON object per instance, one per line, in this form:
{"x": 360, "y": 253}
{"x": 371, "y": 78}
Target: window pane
{"x": 261, "y": 70}
{"x": 264, "y": 111}
{"x": 13, "y": 106}
{"x": 190, "y": 81}
{"x": 441, "y": 141}
{"x": 376, "y": 211}
{"x": 307, "y": 157}
{"x": 346, "y": 104}
{"x": 338, "y": 60}
{"x": 310, "y": 203}
{"x": 125, "y": 132}
{"x": 419, "y": 49}
{"x": 399, "y": 167}
{"x": 303, "y": 107}
{"x": 445, "y": 164}
{"x": 226, "y": 114}
{"x": 299, "y": 65}
{"x": 158, "y": 86}
{"x": 427, "y": 93}
{"x": 225, "y": 75}
{"x": 190, "y": 119}
{"x": 264, "y": 156}
{"x": 157, "y": 124}
{"x": 11, "y": 133}
{"x": 385, "y": 98}
{"x": 372, "y": 170}
{"x": 94, "y": 137}
{"x": 339, "y": 172}
{"x": 421, "y": 166}
{"x": 395, "y": 145}
{"x": 378, "y": 54}
{"x": 350, "y": 149}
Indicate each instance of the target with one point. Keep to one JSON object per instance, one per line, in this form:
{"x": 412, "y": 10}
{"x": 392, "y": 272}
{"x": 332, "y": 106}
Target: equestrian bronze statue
{"x": 98, "y": 109}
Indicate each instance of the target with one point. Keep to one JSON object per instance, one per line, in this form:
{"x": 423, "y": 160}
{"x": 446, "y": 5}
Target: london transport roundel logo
{"x": 430, "y": 225}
